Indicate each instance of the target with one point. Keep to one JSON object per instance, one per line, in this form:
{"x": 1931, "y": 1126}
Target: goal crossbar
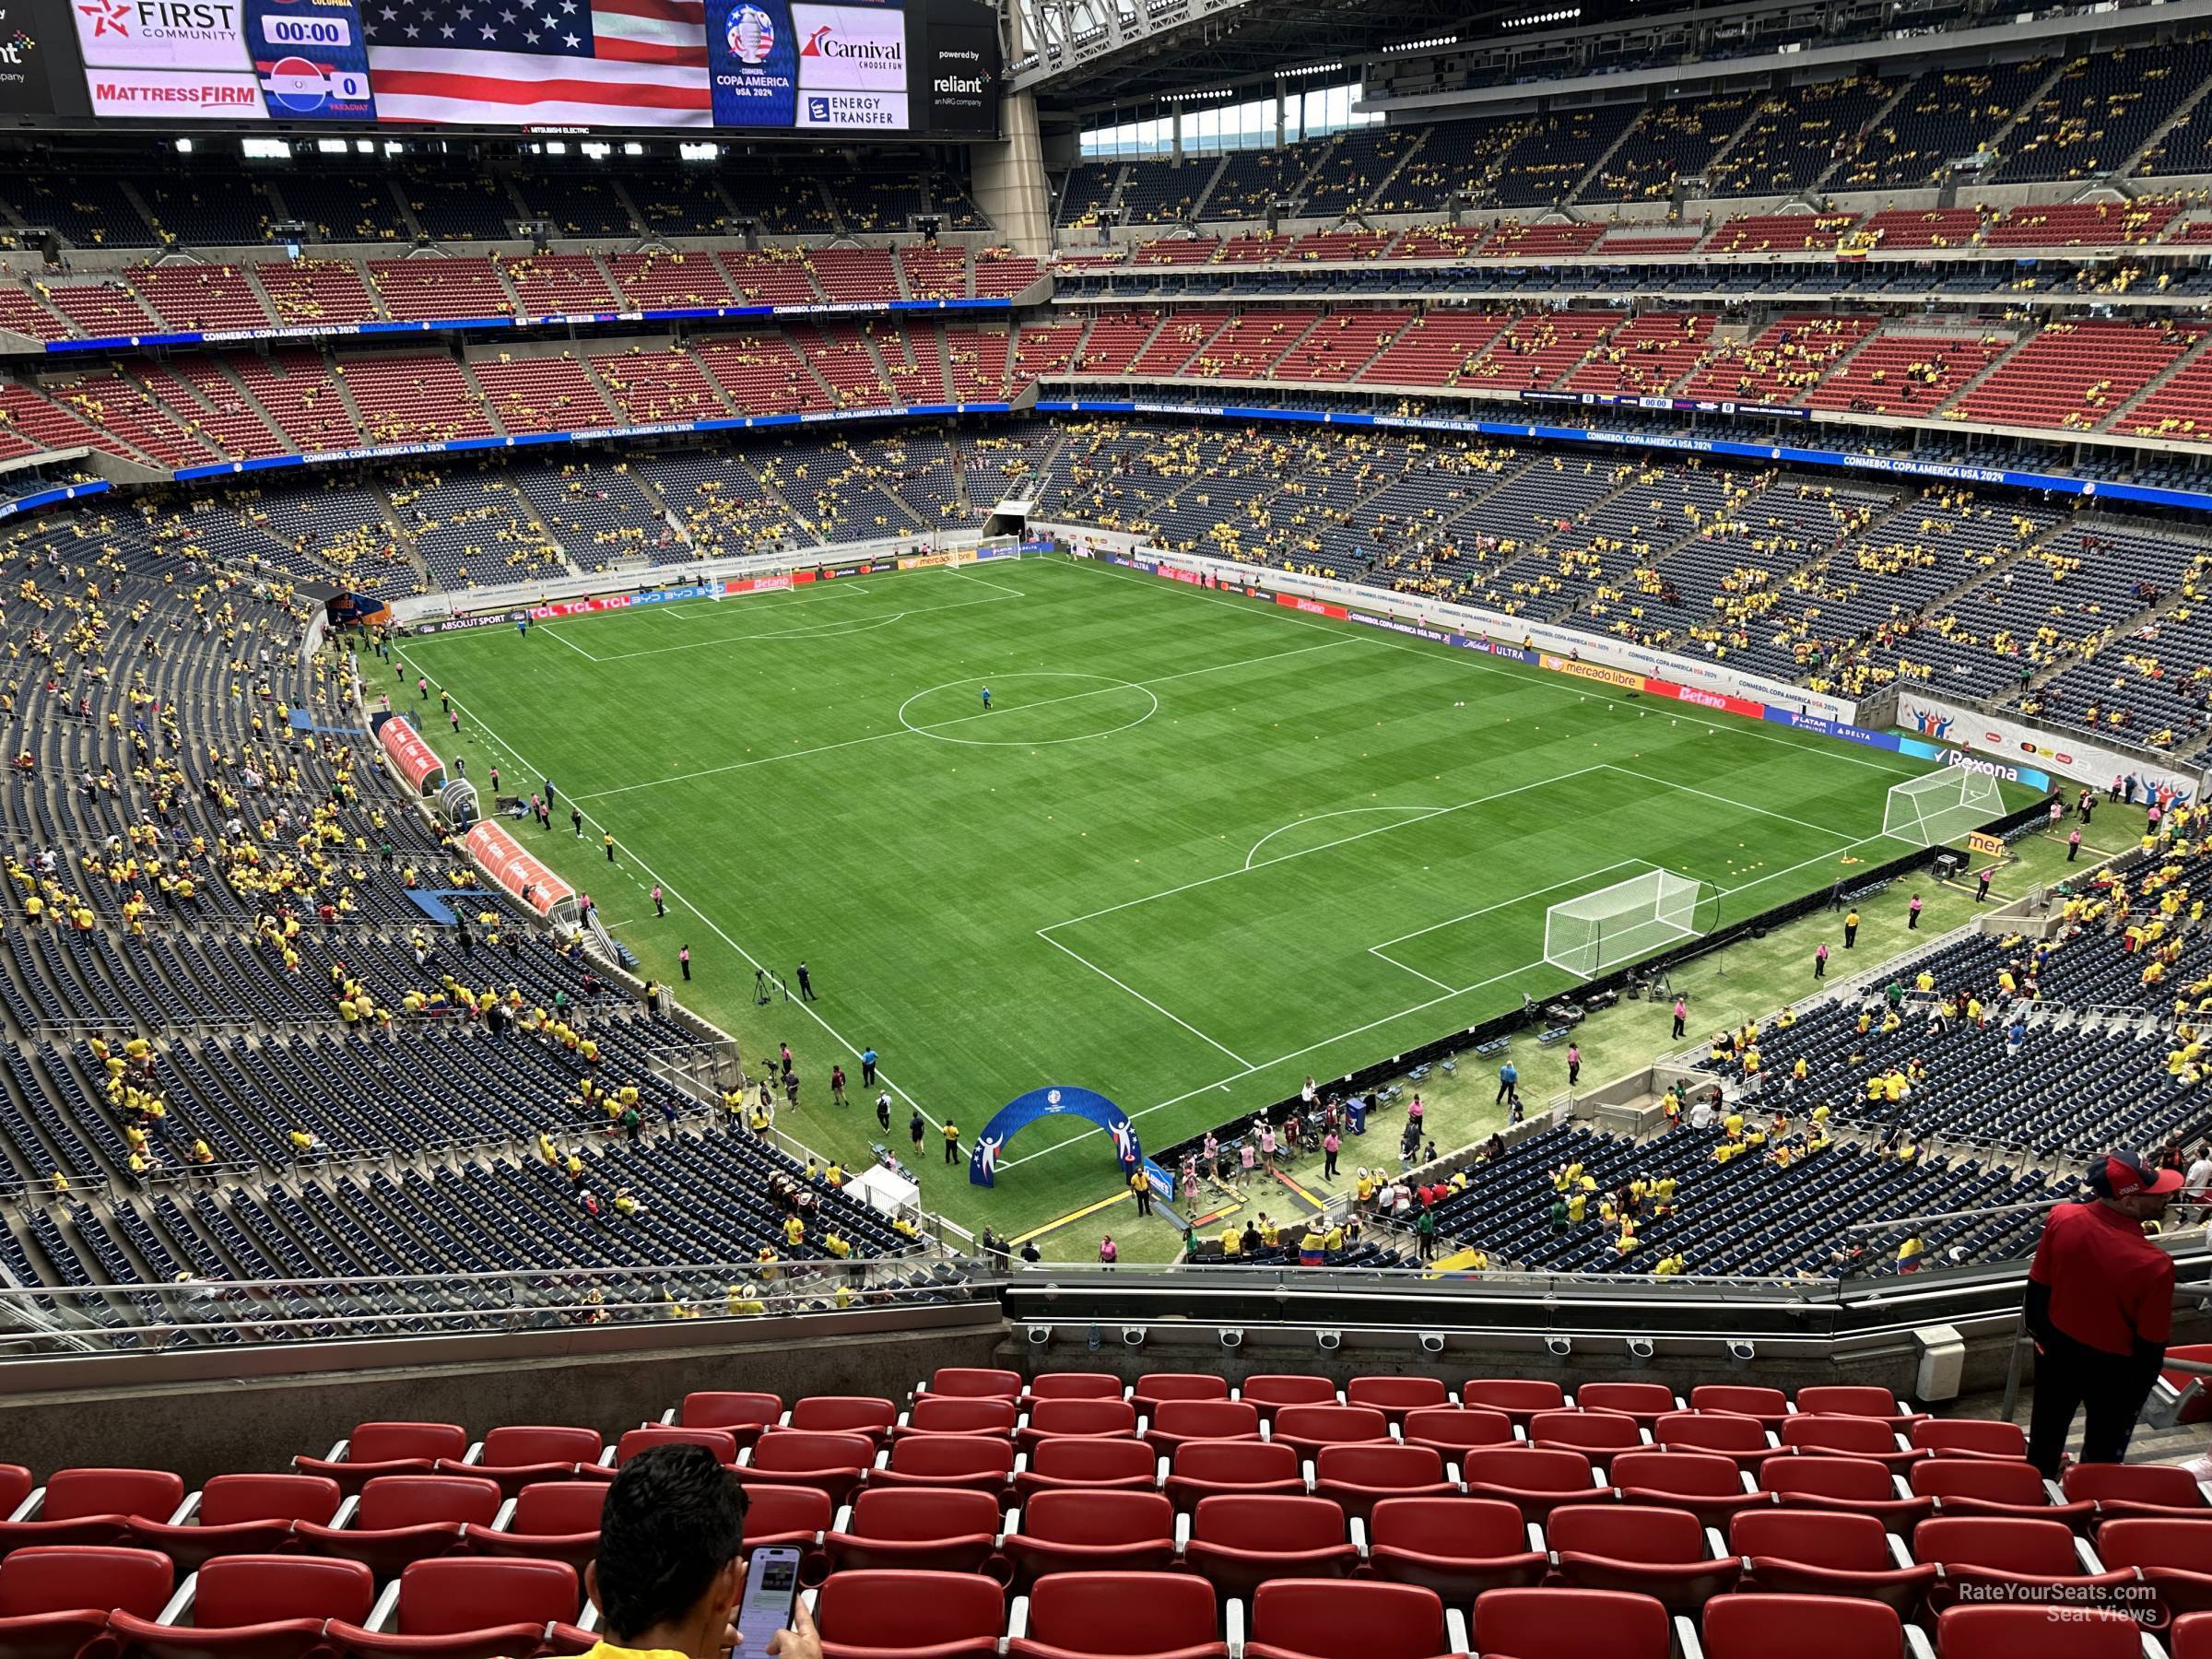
{"x": 1941, "y": 807}
{"x": 1595, "y": 932}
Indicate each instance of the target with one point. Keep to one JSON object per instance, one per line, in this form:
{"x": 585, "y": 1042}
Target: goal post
{"x": 1617, "y": 924}
{"x": 1941, "y": 807}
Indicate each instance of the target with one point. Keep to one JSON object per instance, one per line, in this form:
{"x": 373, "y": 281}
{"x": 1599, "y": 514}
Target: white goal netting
{"x": 1941, "y": 807}
{"x": 1617, "y": 924}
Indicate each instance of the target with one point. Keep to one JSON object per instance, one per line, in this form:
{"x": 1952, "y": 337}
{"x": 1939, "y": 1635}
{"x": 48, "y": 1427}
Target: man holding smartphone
{"x": 672, "y": 1565}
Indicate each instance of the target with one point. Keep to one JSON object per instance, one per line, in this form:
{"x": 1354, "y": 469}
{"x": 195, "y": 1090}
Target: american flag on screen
{"x": 540, "y": 62}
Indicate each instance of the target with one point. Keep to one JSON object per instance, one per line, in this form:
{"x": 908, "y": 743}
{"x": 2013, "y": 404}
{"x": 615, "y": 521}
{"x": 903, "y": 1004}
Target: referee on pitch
{"x": 2100, "y": 1307}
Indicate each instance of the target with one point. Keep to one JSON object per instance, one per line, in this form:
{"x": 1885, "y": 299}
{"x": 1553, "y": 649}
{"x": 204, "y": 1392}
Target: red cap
{"x": 2122, "y": 1175}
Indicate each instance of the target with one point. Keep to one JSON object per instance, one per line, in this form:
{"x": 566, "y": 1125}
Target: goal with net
{"x": 1631, "y": 919}
{"x": 1941, "y": 807}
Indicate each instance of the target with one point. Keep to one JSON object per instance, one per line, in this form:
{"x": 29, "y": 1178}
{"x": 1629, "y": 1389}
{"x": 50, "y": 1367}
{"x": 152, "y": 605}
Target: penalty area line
{"x": 1133, "y": 991}
{"x": 1222, "y": 1083}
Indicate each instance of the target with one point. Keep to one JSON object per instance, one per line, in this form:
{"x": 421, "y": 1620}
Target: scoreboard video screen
{"x": 921, "y": 68}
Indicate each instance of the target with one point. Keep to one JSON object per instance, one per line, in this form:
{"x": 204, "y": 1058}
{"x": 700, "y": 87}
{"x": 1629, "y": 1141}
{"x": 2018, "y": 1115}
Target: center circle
{"x": 952, "y": 712}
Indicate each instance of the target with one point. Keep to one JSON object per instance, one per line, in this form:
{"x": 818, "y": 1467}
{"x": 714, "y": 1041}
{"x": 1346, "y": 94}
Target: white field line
{"x": 548, "y": 632}
{"x": 1424, "y": 815}
{"x": 1536, "y": 893}
{"x": 904, "y": 731}
{"x": 1816, "y": 858}
{"x": 1222, "y": 1083}
{"x": 676, "y": 900}
{"x": 1133, "y": 991}
{"x": 1340, "y": 812}
{"x": 1474, "y": 662}
{"x": 1629, "y": 772}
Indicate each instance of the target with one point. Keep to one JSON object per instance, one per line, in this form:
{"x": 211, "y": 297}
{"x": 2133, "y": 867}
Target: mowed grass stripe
{"x": 913, "y": 874}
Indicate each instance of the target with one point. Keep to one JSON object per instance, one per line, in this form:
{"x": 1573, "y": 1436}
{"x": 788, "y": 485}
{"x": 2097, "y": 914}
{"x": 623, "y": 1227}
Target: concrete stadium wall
{"x": 204, "y": 1412}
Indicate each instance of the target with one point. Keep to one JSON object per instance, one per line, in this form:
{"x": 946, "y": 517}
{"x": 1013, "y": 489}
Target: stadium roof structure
{"x": 1090, "y": 53}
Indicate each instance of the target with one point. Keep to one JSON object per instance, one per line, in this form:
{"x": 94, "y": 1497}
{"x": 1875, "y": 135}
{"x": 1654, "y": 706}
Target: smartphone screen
{"x": 772, "y": 1584}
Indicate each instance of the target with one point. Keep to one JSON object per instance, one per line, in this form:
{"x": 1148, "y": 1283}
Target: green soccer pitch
{"x": 1199, "y": 847}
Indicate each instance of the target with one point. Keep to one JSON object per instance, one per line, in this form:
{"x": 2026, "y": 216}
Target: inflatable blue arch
{"x": 1019, "y": 1114}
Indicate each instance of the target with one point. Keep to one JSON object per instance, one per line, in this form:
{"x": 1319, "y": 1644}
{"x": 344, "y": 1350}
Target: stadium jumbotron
{"x": 1212, "y": 831}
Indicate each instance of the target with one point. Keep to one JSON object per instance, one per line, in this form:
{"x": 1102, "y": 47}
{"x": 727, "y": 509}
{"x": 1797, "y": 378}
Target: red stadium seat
{"x": 910, "y": 1616}
{"x": 241, "y": 1514}
{"x": 553, "y": 1521}
{"x": 743, "y": 1416}
{"x": 842, "y": 1413}
{"x": 720, "y": 1441}
{"x": 1458, "y": 1546}
{"x": 1308, "y": 1619}
{"x": 2002, "y": 1632}
{"x": 2121, "y": 1490}
{"x": 1394, "y": 1397}
{"x": 1967, "y": 1437}
{"x": 1519, "y": 1397}
{"x": 1154, "y": 1389}
{"x": 977, "y": 1463}
{"x": 1646, "y": 1402}
{"x": 1075, "y": 1386}
{"x": 1088, "y": 1616}
{"x": 1092, "y": 1532}
{"x": 1659, "y": 1552}
{"x": 55, "y": 1599}
{"x": 914, "y": 1528}
{"x": 2190, "y": 1637}
{"x": 1309, "y": 1428}
{"x": 1452, "y": 1430}
{"x": 1272, "y": 1391}
{"x": 1769, "y": 1406}
{"x": 2174, "y": 1556}
{"x": 1076, "y": 1419}
{"x": 1710, "y": 1487}
{"x": 1859, "y": 1486}
{"x": 1358, "y": 1477}
{"x": 1173, "y": 1423}
{"x": 15, "y": 1486}
{"x": 1720, "y": 1433}
{"x": 250, "y": 1606}
{"x": 402, "y": 1519}
{"x": 1083, "y": 1464}
{"x": 95, "y": 1506}
{"x": 1859, "y": 1400}
{"x": 523, "y": 1454}
{"x": 1241, "y": 1543}
{"x": 1240, "y": 1467}
{"x": 1986, "y": 1486}
{"x": 1826, "y": 1552}
{"x": 1803, "y": 1627}
{"x": 1848, "y": 1437}
{"x": 835, "y": 1462}
{"x": 1533, "y": 1482}
{"x": 958, "y": 1414}
{"x": 785, "y": 1514}
{"x": 1991, "y": 1556}
{"x": 1570, "y": 1624}
{"x": 469, "y": 1609}
{"x": 374, "y": 1449}
{"x": 1599, "y": 1436}
{"x": 972, "y": 1382}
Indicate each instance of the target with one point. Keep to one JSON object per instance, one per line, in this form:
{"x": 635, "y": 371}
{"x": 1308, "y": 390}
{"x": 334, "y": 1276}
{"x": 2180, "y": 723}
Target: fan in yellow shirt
{"x": 671, "y": 1563}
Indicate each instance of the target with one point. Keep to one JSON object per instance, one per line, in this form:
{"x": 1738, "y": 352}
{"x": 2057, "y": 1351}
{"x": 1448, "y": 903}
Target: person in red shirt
{"x": 2100, "y": 1307}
